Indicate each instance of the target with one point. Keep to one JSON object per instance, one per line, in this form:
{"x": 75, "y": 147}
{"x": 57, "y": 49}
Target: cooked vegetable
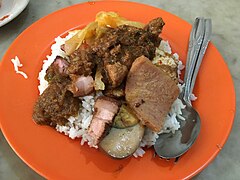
{"x": 75, "y": 42}
{"x": 125, "y": 118}
{"x": 98, "y": 83}
{"x": 112, "y": 19}
{"x": 121, "y": 143}
{"x": 95, "y": 29}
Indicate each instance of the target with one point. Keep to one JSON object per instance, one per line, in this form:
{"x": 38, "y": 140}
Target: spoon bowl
{"x": 170, "y": 145}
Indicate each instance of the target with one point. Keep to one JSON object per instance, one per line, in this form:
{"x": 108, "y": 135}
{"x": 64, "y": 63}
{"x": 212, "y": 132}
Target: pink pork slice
{"x": 81, "y": 85}
{"x": 105, "y": 109}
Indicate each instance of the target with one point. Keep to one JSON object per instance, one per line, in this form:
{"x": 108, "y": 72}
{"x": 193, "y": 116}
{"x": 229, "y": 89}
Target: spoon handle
{"x": 190, "y": 47}
{"x": 195, "y": 42}
{"x": 207, "y": 35}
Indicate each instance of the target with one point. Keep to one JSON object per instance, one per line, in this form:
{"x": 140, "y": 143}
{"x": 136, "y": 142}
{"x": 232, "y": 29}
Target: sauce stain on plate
{"x": 4, "y": 17}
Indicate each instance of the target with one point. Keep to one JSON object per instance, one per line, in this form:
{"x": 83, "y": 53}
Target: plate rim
{"x": 210, "y": 159}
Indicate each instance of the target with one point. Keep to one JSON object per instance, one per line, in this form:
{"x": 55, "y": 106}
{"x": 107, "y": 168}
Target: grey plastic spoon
{"x": 173, "y": 145}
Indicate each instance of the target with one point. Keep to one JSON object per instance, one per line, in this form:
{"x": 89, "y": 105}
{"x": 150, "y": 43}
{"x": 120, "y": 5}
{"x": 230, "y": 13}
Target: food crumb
{"x": 219, "y": 147}
{"x": 17, "y": 64}
{"x": 176, "y": 160}
{"x": 119, "y": 168}
{"x": 154, "y": 154}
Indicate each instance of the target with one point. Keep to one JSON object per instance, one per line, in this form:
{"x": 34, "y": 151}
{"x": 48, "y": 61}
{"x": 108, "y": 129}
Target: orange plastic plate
{"x": 55, "y": 156}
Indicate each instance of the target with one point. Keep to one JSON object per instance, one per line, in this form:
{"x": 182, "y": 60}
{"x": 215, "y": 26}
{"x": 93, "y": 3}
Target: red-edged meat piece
{"x": 81, "y": 85}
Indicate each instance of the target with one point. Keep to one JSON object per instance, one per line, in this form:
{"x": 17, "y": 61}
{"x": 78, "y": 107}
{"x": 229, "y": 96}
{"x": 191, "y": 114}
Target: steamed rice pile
{"x": 77, "y": 126}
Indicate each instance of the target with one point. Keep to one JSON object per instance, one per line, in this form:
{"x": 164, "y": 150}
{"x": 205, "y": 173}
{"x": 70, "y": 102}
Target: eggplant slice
{"x": 125, "y": 118}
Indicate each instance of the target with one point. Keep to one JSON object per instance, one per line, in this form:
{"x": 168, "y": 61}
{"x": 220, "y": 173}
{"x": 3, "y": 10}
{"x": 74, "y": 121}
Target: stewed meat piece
{"x": 82, "y": 61}
{"x": 57, "y": 71}
{"x": 55, "y": 105}
{"x": 116, "y": 73}
{"x": 150, "y": 92}
{"x": 155, "y": 26}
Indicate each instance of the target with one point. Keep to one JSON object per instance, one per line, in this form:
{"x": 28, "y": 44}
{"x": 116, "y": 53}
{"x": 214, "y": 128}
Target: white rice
{"x": 77, "y": 126}
{"x": 16, "y": 63}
